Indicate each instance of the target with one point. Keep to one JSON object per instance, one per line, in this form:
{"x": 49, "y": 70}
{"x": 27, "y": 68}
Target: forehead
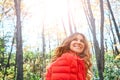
{"x": 79, "y": 37}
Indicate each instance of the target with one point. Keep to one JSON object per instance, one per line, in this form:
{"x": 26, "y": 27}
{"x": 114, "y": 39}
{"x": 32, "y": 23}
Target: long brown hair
{"x": 86, "y": 55}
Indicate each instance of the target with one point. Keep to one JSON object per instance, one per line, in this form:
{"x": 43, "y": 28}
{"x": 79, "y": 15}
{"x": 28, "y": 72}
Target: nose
{"x": 78, "y": 41}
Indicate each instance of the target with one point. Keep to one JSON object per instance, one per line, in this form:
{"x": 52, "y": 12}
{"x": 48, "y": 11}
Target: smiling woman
{"x": 77, "y": 45}
{"x": 72, "y": 60}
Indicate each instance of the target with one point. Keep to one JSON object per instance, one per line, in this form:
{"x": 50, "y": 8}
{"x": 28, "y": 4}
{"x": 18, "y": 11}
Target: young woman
{"x": 72, "y": 60}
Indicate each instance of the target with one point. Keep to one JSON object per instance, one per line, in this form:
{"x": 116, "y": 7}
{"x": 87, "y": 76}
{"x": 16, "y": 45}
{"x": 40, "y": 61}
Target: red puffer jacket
{"x": 67, "y": 67}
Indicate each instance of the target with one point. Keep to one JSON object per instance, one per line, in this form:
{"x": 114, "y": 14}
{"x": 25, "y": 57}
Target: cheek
{"x": 83, "y": 46}
{"x": 71, "y": 46}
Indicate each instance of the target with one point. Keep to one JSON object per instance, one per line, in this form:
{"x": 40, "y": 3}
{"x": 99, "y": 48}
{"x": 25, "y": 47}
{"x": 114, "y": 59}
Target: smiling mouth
{"x": 77, "y": 47}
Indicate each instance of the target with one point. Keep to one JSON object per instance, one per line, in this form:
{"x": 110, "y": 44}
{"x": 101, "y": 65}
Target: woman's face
{"x": 77, "y": 45}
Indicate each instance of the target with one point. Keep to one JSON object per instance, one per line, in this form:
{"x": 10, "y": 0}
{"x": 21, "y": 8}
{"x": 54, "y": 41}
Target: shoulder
{"x": 60, "y": 66}
{"x": 64, "y": 60}
{"x": 69, "y": 57}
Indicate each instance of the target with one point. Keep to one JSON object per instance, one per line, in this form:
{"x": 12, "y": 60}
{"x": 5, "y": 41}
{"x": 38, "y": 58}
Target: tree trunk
{"x": 19, "y": 51}
{"x": 113, "y": 18}
{"x": 91, "y": 23}
{"x": 43, "y": 53}
{"x": 114, "y": 38}
{"x": 49, "y": 47}
{"x": 102, "y": 39}
{"x": 9, "y": 57}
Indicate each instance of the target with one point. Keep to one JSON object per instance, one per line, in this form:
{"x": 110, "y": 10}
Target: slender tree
{"x": 49, "y": 40}
{"x": 2, "y": 52}
{"x": 114, "y": 21}
{"x": 99, "y": 52}
{"x": 19, "y": 51}
{"x": 116, "y": 51}
{"x": 102, "y": 38}
{"x": 9, "y": 57}
{"x": 43, "y": 53}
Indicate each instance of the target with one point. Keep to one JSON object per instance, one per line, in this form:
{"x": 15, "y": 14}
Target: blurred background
{"x": 30, "y": 30}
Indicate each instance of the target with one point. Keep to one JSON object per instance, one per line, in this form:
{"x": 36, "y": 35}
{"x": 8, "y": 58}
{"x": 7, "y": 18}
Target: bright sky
{"x": 51, "y": 12}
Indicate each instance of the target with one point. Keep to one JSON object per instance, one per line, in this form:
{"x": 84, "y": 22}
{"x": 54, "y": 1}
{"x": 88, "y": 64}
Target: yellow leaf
{"x": 117, "y": 57}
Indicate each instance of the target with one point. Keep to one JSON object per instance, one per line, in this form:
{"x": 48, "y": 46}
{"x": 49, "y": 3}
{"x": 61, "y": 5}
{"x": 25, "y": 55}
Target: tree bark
{"x": 19, "y": 51}
{"x": 102, "y": 40}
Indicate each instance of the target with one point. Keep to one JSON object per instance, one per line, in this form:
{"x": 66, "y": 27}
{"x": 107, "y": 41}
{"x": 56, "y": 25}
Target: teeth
{"x": 77, "y": 47}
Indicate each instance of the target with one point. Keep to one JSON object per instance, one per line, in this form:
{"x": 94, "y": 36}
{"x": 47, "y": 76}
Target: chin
{"x": 78, "y": 52}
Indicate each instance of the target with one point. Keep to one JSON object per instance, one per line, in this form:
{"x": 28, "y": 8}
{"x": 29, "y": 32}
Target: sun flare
{"x": 51, "y": 13}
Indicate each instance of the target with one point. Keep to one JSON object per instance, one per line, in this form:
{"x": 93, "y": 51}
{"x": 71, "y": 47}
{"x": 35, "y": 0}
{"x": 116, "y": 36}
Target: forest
{"x": 30, "y": 30}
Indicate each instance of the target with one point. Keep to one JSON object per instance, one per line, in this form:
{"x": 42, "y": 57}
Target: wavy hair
{"x": 86, "y": 55}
